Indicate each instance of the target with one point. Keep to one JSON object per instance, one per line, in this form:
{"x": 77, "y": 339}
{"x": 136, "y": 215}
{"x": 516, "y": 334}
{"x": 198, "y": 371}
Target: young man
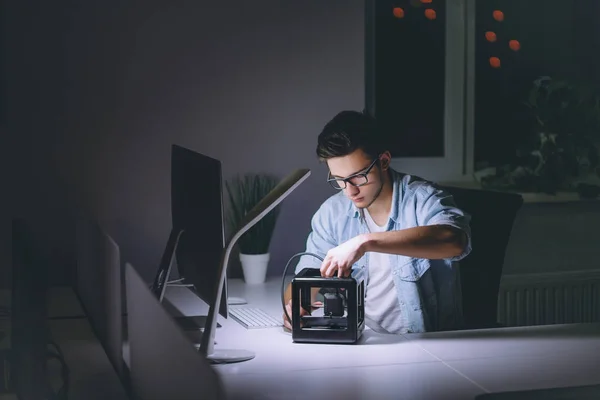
{"x": 408, "y": 233}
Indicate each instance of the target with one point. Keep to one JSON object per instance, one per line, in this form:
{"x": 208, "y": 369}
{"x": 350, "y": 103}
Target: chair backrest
{"x": 492, "y": 217}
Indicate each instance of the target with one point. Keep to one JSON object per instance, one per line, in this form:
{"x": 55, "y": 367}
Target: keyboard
{"x": 253, "y": 318}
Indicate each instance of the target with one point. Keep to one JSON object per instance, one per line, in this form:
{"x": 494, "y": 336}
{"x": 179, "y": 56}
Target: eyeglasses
{"x": 356, "y": 180}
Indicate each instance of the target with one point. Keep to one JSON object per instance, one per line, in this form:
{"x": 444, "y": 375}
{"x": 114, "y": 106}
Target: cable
{"x": 304, "y": 253}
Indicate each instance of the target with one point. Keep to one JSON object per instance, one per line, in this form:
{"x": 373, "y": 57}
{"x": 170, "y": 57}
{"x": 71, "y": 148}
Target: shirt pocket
{"x": 409, "y": 269}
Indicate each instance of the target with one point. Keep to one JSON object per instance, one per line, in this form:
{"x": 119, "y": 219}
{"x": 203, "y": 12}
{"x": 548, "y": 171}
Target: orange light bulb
{"x": 498, "y": 15}
{"x": 398, "y": 12}
{"x": 514, "y": 45}
{"x": 490, "y": 36}
{"x": 495, "y": 62}
{"x": 430, "y": 14}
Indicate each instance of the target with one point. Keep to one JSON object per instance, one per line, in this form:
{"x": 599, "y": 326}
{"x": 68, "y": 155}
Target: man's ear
{"x": 385, "y": 160}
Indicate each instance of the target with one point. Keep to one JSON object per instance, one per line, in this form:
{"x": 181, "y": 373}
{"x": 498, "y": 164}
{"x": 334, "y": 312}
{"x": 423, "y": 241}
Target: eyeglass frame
{"x": 347, "y": 179}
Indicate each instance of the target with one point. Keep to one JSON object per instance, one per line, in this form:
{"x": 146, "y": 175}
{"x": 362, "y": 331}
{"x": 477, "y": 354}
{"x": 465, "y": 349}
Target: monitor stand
{"x": 226, "y": 356}
{"x": 236, "y": 301}
{"x": 192, "y": 323}
{"x": 161, "y": 282}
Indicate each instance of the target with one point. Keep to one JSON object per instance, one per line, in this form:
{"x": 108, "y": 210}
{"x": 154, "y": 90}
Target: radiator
{"x": 551, "y": 298}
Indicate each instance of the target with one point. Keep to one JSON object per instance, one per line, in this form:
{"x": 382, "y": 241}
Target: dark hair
{"x": 347, "y": 132}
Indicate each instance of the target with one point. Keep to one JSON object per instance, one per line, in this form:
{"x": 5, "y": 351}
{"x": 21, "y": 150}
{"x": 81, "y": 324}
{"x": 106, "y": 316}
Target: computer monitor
{"x": 99, "y": 287}
{"x": 29, "y": 330}
{"x": 163, "y": 362}
{"x": 197, "y": 237}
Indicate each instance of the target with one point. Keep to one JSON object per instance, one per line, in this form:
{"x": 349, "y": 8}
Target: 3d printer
{"x": 340, "y": 316}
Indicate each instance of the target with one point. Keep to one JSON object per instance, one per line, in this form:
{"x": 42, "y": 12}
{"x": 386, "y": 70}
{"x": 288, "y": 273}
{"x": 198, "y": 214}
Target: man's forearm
{"x": 431, "y": 242}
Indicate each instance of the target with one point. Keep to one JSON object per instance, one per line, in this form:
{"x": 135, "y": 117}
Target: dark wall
{"x": 99, "y": 91}
{"x": 32, "y": 110}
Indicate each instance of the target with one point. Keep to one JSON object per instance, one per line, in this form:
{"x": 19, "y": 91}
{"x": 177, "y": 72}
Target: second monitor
{"x": 197, "y": 236}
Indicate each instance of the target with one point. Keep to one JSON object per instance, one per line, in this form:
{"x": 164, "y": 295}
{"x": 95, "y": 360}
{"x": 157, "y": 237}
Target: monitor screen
{"x": 197, "y": 209}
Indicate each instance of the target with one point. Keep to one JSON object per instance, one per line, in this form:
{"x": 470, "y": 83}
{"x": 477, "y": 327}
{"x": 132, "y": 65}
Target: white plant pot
{"x": 254, "y": 267}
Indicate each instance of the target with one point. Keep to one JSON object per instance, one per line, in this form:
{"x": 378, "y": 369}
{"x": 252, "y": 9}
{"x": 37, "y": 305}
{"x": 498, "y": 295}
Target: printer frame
{"x": 328, "y": 328}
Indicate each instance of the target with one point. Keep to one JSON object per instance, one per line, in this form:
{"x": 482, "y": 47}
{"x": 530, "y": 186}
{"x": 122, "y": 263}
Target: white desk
{"x": 91, "y": 373}
{"x": 446, "y": 365}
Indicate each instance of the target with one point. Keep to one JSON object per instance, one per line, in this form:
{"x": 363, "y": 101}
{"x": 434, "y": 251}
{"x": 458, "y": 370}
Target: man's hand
{"x": 341, "y": 258}
{"x": 287, "y": 324}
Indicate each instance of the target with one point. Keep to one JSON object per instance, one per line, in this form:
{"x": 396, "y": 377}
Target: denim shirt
{"x": 428, "y": 291}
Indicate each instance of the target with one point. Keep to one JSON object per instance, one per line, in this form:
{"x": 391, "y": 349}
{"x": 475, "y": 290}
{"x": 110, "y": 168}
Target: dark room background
{"x": 95, "y": 93}
{"x": 98, "y": 92}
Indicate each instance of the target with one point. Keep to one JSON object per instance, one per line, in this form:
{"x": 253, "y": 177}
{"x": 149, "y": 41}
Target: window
{"x": 518, "y": 45}
{"x": 415, "y": 67}
{"x": 451, "y": 124}
{"x": 409, "y": 60}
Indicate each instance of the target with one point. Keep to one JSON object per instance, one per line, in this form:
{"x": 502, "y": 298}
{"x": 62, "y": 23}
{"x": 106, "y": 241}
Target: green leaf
{"x": 244, "y": 192}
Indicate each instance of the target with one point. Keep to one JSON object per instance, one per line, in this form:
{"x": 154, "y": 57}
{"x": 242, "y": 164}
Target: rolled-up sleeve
{"x": 437, "y": 207}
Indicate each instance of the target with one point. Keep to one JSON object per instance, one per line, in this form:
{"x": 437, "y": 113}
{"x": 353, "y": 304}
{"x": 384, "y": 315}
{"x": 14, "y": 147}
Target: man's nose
{"x": 351, "y": 190}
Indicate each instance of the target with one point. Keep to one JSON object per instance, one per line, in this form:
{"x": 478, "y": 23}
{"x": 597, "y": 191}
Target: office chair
{"x": 492, "y": 217}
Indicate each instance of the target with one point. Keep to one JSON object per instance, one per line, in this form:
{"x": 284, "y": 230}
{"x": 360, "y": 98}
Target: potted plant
{"x": 562, "y": 152}
{"x": 244, "y": 192}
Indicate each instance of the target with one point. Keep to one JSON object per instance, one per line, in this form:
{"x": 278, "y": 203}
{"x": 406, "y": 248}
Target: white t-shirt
{"x": 382, "y": 309}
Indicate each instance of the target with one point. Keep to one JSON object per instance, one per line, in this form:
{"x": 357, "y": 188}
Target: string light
{"x": 490, "y": 36}
{"x": 430, "y": 14}
{"x": 398, "y": 12}
{"x": 495, "y": 62}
